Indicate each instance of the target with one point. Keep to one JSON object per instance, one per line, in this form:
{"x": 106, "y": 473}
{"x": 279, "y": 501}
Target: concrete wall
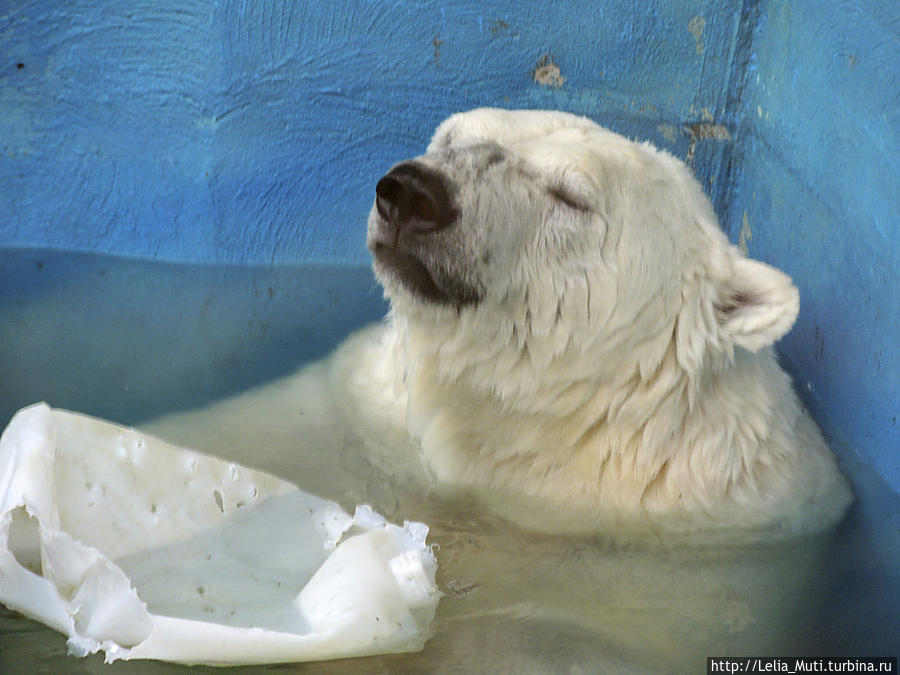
{"x": 244, "y": 132}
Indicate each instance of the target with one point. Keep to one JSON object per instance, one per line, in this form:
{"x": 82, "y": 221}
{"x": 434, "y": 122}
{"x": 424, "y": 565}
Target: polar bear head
{"x": 542, "y": 232}
{"x": 568, "y": 322}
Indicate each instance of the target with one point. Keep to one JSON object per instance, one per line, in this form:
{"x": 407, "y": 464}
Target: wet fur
{"x": 614, "y": 379}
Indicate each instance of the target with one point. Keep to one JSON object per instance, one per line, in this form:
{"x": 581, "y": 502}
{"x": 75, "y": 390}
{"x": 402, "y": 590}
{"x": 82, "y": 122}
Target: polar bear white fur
{"x": 572, "y": 339}
{"x": 575, "y": 344}
{"x": 592, "y": 342}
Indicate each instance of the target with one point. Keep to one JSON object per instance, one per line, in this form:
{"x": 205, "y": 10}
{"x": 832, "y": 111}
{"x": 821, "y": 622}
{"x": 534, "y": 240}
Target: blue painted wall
{"x": 817, "y": 193}
{"x": 240, "y": 133}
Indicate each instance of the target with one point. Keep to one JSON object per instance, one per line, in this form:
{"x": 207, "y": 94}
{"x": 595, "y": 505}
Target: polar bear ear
{"x": 757, "y": 305}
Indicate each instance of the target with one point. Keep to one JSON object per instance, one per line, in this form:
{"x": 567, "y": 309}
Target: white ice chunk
{"x": 143, "y": 550}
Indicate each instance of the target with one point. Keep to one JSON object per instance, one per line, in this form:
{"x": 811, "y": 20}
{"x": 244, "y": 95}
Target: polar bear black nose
{"x": 414, "y": 199}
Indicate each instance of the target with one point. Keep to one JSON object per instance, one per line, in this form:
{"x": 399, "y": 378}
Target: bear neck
{"x": 643, "y": 434}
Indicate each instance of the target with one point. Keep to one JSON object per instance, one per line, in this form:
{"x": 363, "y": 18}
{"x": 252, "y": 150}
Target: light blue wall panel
{"x": 818, "y": 194}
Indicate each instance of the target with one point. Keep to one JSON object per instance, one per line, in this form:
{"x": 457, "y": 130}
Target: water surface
{"x": 131, "y": 340}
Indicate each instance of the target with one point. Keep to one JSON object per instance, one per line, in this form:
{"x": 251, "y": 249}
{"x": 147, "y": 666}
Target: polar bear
{"x": 571, "y": 338}
{"x": 571, "y": 325}
{"x": 574, "y": 345}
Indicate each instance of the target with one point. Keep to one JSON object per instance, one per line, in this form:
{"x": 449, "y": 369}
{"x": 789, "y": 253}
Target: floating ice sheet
{"x": 143, "y": 550}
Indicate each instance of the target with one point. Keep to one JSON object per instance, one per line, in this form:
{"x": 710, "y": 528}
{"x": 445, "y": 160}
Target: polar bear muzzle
{"x": 412, "y": 198}
{"x": 414, "y": 207}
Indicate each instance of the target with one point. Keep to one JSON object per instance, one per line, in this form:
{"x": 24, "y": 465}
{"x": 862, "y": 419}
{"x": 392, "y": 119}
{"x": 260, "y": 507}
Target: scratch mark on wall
{"x": 436, "y": 44}
{"x": 818, "y": 342}
{"x": 745, "y": 235}
{"x": 547, "y": 73}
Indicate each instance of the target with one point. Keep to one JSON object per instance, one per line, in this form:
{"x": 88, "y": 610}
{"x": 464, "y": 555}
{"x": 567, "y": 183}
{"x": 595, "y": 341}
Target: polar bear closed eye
{"x": 570, "y": 328}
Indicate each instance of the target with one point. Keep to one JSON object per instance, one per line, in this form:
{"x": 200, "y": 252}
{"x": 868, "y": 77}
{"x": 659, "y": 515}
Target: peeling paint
{"x": 668, "y": 131}
{"x": 701, "y": 131}
{"x": 705, "y": 130}
{"x": 498, "y": 26}
{"x": 547, "y": 73}
{"x": 696, "y": 26}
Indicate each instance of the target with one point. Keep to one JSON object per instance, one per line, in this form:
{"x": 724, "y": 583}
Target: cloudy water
{"x": 84, "y": 332}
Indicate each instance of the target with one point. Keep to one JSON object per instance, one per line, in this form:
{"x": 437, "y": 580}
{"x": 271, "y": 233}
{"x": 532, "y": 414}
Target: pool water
{"x": 134, "y": 340}
{"x": 130, "y": 339}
